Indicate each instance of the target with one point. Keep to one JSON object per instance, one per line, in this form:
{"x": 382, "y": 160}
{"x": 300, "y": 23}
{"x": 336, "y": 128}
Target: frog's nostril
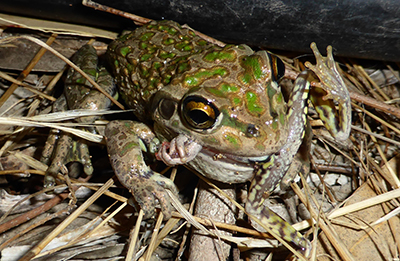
{"x": 252, "y": 131}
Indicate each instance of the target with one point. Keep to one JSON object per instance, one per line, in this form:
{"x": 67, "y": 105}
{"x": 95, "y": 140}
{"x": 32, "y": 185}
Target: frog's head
{"x": 237, "y": 109}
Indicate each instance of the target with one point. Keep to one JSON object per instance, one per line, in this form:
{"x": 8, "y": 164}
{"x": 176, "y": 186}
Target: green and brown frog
{"x": 219, "y": 110}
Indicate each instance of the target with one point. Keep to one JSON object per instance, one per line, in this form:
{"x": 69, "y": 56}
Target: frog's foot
{"x": 149, "y": 192}
{"x": 333, "y": 90}
{"x": 65, "y": 150}
{"x": 125, "y": 147}
{"x": 278, "y": 226}
{"x": 179, "y": 151}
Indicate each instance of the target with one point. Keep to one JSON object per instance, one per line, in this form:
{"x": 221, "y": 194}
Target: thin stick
{"x": 134, "y": 236}
{"x": 67, "y": 61}
{"x": 27, "y": 70}
{"x": 36, "y": 250}
{"x": 138, "y": 20}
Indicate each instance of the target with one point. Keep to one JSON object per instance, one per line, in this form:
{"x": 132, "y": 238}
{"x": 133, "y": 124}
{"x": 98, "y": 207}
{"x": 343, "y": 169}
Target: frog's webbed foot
{"x": 66, "y": 151}
{"x": 125, "y": 142}
{"x": 179, "y": 151}
{"x": 61, "y": 148}
{"x": 333, "y": 91}
{"x": 278, "y": 226}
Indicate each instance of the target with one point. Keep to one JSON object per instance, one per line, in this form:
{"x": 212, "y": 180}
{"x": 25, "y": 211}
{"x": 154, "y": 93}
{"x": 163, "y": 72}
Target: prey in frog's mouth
{"x": 183, "y": 149}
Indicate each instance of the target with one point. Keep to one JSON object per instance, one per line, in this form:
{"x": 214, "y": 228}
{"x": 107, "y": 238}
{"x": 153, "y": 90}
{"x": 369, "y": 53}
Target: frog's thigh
{"x": 125, "y": 146}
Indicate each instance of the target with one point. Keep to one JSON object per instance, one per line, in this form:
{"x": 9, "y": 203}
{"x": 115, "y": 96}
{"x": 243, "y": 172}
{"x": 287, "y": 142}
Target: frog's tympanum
{"x": 219, "y": 110}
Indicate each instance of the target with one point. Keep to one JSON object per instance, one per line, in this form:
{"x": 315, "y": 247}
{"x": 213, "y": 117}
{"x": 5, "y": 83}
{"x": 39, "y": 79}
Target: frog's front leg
{"x": 269, "y": 173}
{"x": 125, "y": 142}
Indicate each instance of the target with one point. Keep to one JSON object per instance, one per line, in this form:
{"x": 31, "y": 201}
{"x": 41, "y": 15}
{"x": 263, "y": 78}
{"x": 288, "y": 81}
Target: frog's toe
{"x": 179, "y": 151}
{"x": 49, "y": 181}
{"x": 149, "y": 193}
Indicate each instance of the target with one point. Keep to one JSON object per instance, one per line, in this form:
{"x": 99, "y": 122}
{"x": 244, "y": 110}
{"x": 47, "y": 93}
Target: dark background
{"x": 358, "y": 28}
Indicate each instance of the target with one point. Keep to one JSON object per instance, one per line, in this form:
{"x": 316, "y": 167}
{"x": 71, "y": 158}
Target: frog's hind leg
{"x": 62, "y": 148}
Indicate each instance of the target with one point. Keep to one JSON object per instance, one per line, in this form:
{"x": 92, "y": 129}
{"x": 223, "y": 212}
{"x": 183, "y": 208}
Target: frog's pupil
{"x": 199, "y": 117}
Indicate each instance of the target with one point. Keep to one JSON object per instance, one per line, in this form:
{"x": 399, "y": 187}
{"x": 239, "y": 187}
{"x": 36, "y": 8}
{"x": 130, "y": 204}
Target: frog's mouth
{"x": 182, "y": 150}
{"x": 230, "y": 161}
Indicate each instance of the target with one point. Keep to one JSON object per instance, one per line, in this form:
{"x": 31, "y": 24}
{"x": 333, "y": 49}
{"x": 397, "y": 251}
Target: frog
{"x": 217, "y": 109}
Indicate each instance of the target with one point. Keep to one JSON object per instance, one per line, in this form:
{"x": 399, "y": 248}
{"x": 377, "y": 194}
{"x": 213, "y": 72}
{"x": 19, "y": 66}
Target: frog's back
{"x": 146, "y": 59}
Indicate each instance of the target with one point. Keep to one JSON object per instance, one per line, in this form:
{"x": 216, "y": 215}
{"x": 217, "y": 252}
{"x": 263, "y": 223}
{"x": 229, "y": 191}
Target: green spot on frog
{"x": 157, "y": 65}
{"x": 216, "y": 92}
{"x": 152, "y": 49}
{"x": 237, "y": 100}
{"x": 188, "y": 48}
{"x": 80, "y": 80}
{"x": 279, "y": 98}
{"x": 202, "y": 42}
{"x": 252, "y": 69}
{"x": 167, "y": 79}
{"x": 128, "y": 147}
{"x": 144, "y": 72}
{"x": 145, "y": 57}
{"x": 233, "y": 122}
{"x": 253, "y": 104}
{"x": 271, "y": 92}
{"x": 124, "y": 50}
{"x": 187, "y": 37}
{"x": 184, "y": 46}
{"x": 146, "y": 36}
{"x": 282, "y": 119}
{"x": 154, "y": 82}
{"x": 143, "y": 45}
{"x": 219, "y": 55}
{"x": 167, "y": 29}
{"x": 274, "y": 125}
{"x": 130, "y": 67}
{"x": 168, "y": 41}
{"x": 246, "y": 79}
{"x": 183, "y": 67}
{"x": 233, "y": 140}
{"x": 222, "y": 90}
{"x": 166, "y": 55}
{"x": 150, "y": 26}
{"x": 204, "y": 74}
{"x": 229, "y": 88}
{"x": 91, "y": 72}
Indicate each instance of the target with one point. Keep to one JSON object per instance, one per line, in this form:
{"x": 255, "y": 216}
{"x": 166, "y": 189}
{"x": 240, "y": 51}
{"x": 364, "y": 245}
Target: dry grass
{"x": 351, "y": 228}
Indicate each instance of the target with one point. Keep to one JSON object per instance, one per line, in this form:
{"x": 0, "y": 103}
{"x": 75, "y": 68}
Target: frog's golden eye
{"x": 167, "y": 108}
{"x": 277, "y": 67}
{"x": 199, "y": 113}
